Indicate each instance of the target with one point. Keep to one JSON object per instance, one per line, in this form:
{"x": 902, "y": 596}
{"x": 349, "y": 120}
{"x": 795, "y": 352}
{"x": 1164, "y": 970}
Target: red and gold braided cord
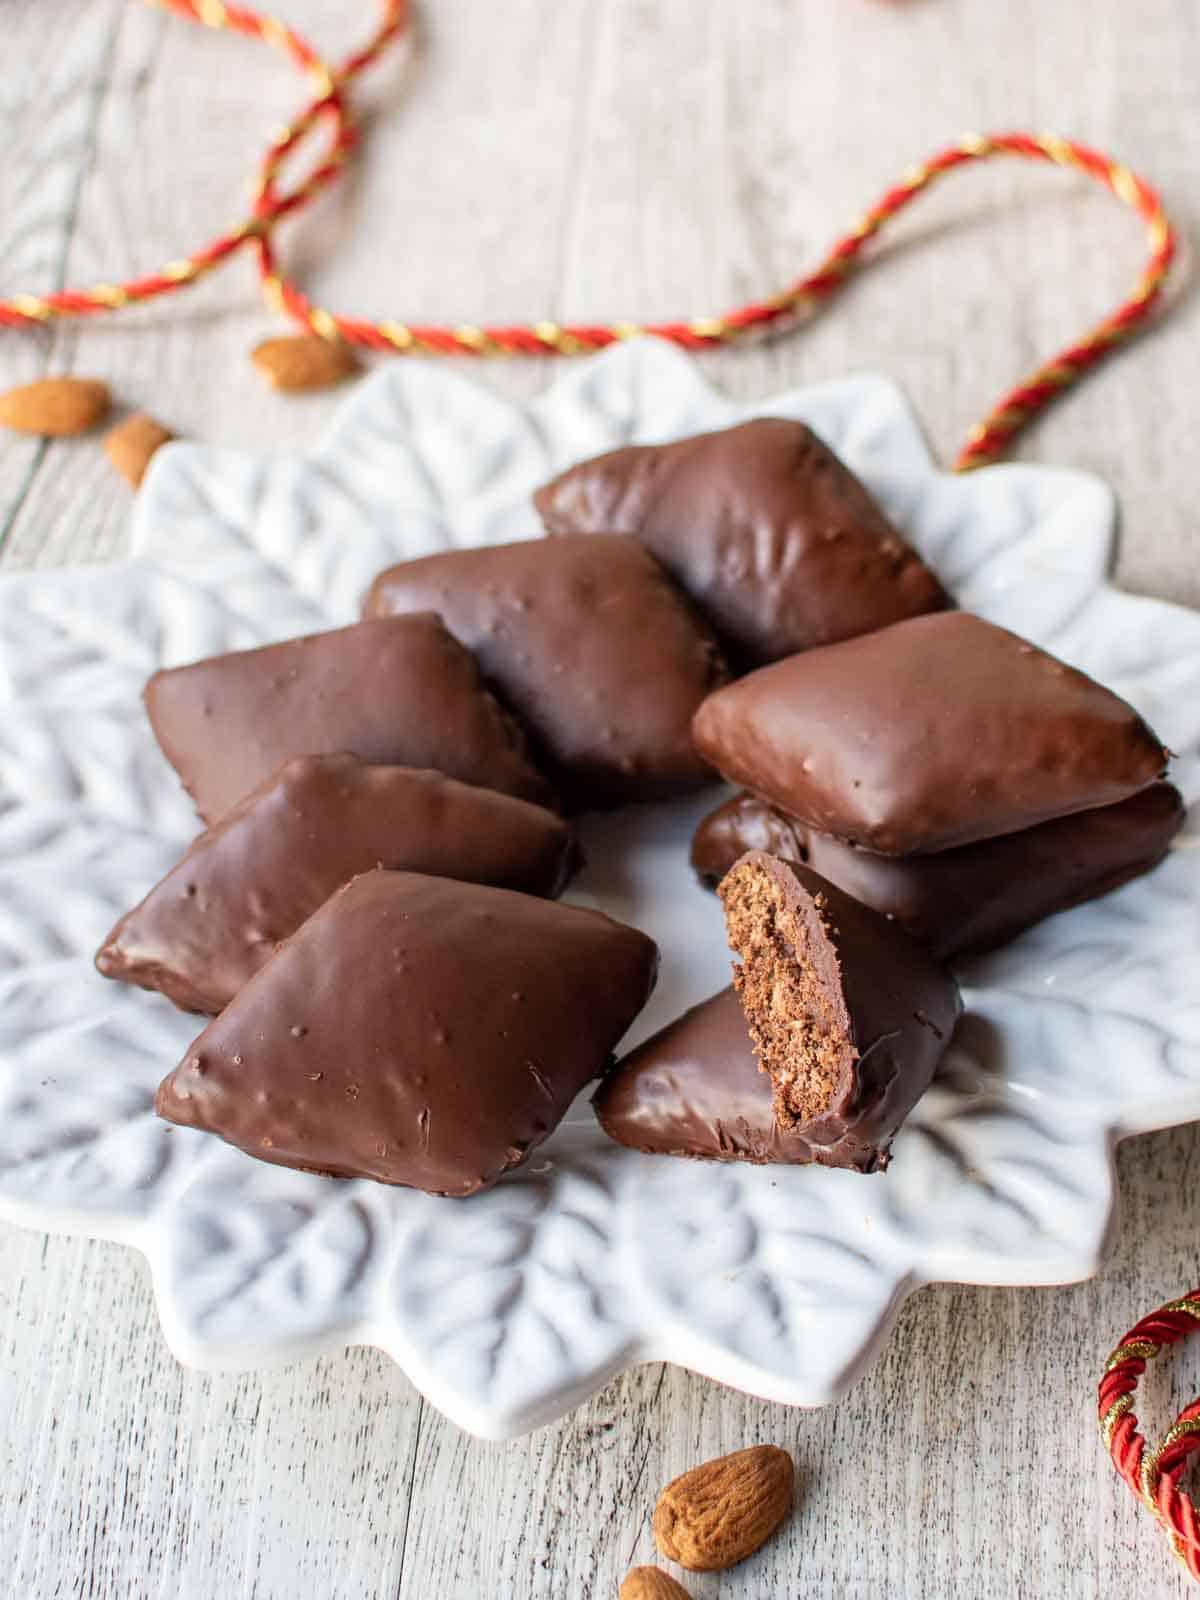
{"x": 986, "y": 442}
{"x": 1153, "y": 1475}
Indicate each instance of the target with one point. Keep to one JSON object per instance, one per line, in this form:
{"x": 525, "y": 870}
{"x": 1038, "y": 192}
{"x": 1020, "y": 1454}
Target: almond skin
{"x": 302, "y": 361}
{"x": 651, "y": 1583}
{"x": 131, "y": 444}
{"x": 718, "y": 1514}
{"x": 55, "y": 408}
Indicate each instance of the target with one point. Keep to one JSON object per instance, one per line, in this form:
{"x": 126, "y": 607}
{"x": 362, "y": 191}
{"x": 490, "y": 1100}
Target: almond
{"x": 651, "y": 1583}
{"x": 55, "y": 407}
{"x": 720, "y": 1513}
{"x": 303, "y": 361}
{"x": 131, "y": 444}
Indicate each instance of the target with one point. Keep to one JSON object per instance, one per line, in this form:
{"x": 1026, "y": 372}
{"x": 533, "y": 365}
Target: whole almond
{"x": 131, "y": 444}
{"x": 720, "y": 1513}
{"x": 55, "y": 407}
{"x": 302, "y": 361}
{"x": 651, "y": 1583}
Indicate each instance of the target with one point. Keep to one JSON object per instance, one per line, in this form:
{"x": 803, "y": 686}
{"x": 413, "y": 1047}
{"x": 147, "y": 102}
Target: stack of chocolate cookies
{"x": 369, "y": 915}
{"x": 961, "y": 784}
{"x": 951, "y": 775}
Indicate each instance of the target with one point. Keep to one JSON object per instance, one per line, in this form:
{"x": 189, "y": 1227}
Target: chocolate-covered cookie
{"x": 964, "y": 901}
{"x": 590, "y": 642}
{"x": 927, "y": 735}
{"x": 778, "y": 543}
{"x": 400, "y": 692}
{"x": 696, "y": 1089}
{"x": 250, "y": 880}
{"x": 848, "y": 1015}
{"x": 418, "y": 1031}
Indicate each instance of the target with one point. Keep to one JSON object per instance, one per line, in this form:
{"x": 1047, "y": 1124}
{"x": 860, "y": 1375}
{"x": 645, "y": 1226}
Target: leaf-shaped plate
{"x": 509, "y": 1308}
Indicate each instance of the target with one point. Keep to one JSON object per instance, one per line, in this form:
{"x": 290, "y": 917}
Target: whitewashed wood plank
{"x": 609, "y": 159}
{"x": 180, "y": 131}
{"x": 123, "y": 1474}
{"x": 49, "y": 109}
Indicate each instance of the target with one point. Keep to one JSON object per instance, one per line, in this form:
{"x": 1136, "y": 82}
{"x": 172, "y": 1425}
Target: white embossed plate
{"x": 509, "y": 1308}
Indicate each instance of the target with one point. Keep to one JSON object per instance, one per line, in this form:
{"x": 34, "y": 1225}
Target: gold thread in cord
{"x": 1108, "y": 1423}
{"x": 396, "y": 333}
{"x": 1136, "y": 1349}
{"x": 323, "y": 324}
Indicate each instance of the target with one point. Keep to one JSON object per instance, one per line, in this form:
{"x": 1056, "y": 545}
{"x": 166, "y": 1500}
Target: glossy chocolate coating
{"x": 418, "y": 1031}
{"x": 394, "y": 693}
{"x": 898, "y": 1008}
{"x": 249, "y": 881}
{"x": 778, "y": 543}
{"x": 964, "y": 901}
{"x": 695, "y": 1089}
{"x": 927, "y": 735}
{"x": 590, "y": 643}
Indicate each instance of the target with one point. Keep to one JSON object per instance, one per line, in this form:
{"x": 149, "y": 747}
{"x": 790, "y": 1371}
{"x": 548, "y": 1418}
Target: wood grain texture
{"x": 599, "y": 158}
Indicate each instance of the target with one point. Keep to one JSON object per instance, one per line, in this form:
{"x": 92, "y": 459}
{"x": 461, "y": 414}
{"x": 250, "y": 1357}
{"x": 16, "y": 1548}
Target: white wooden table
{"x": 599, "y": 158}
